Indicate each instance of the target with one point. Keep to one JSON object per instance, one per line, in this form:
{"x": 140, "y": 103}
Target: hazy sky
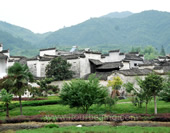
{"x": 49, "y": 15}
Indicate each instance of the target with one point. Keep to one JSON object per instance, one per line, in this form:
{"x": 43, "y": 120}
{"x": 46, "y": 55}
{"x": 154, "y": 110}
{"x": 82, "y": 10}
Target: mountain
{"x": 23, "y": 33}
{"x": 140, "y": 29}
{"x": 118, "y": 14}
{"x": 112, "y": 31}
{"x": 19, "y": 40}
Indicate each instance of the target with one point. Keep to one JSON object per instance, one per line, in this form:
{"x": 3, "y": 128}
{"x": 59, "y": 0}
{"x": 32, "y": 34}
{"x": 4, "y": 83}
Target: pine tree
{"x": 162, "y": 53}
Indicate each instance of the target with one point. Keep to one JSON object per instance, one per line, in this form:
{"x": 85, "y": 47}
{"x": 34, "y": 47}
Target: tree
{"x": 7, "y": 83}
{"x": 165, "y": 93}
{"x": 137, "y": 94}
{"x": 154, "y": 84}
{"x": 162, "y": 53}
{"x": 146, "y": 93}
{"x": 115, "y": 84}
{"x": 83, "y": 94}
{"x": 141, "y": 94}
{"x": 6, "y": 98}
{"x": 21, "y": 75}
{"x": 59, "y": 69}
{"x": 45, "y": 88}
{"x": 150, "y": 53}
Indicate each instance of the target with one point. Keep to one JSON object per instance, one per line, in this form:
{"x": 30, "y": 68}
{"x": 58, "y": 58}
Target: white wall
{"x": 93, "y": 56}
{"x": 114, "y": 56}
{"x": 1, "y": 47}
{"x": 84, "y": 67}
{"x": 7, "y": 54}
{"x": 43, "y": 65}
{"x": 10, "y": 64}
{"x": 133, "y": 62}
{"x": 131, "y": 79}
{"x": 3, "y": 68}
{"x": 48, "y": 52}
{"x": 126, "y": 66}
{"x": 75, "y": 66}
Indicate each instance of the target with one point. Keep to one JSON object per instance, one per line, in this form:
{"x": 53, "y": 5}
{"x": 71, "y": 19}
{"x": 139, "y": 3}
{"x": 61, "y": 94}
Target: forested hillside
{"x": 141, "y": 29}
{"x": 112, "y": 31}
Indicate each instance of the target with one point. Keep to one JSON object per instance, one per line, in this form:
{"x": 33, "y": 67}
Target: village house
{"x": 4, "y": 55}
{"x": 84, "y": 62}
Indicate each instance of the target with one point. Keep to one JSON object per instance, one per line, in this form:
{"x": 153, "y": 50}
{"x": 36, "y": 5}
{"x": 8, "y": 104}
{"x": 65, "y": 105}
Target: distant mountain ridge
{"x": 118, "y": 14}
{"x": 115, "y": 30}
{"x": 140, "y": 29}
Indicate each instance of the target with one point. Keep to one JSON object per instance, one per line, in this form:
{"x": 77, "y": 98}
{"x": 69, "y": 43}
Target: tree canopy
{"x": 59, "y": 69}
{"x": 153, "y": 83}
{"x": 21, "y": 76}
{"x": 83, "y": 94}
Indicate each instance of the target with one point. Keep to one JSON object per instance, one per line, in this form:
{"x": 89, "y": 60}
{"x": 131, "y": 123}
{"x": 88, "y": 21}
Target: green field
{"x": 99, "y": 129}
{"x": 122, "y": 106}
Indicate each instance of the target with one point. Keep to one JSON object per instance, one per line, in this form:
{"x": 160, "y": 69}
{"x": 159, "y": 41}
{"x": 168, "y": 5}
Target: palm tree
{"x": 21, "y": 75}
{"x": 6, "y": 99}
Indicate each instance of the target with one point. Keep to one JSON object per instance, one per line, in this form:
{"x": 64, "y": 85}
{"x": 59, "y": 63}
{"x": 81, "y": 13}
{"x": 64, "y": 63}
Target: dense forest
{"x": 112, "y": 31}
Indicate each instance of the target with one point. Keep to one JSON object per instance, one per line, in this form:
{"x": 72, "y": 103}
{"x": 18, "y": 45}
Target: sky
{"x": 42, "y": 16}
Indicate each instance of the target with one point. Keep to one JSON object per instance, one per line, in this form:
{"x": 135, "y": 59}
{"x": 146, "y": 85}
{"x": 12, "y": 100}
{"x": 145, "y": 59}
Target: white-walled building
{"x": 84, "y": 62}
{"x": 3, "y": 61}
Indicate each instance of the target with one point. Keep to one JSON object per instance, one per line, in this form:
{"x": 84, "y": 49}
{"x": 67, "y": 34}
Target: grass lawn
{"x": 57, "y": 109}
{"x": 99, "y": 129}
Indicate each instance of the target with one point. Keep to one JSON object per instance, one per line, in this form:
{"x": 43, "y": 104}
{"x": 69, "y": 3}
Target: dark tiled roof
{"x": 111, "y": 51}
{"x": 135, "y": 72}
{"x": 47, "y": 49}
{"x": 165, "y": 69}
{"x": 164, "y": 63}
{"x": 132, "y": 57}
{"x": 2, "y": 56}
{"x": 158, "y": 67}
{"x": 92, "y": 52}
{"x": 145, "y": 65}
{"x": 73, "y": 56}
{"x": 100, "y": 75}
{"x": 10, "y": 60}
{"x": 5, "y": 51}
{"x": 168, "y": 57}
{"x": 44, "y": 59}
{"x": 162, "y": 57}
{"x": 121, "y": 53}
{"x": 34, "y": 58}
{"x": 110, "y": 65}
{"x": 141, "y": 55}
{"x": 18, "y": 57}
{"x": 106, "y": 54}
{"x": 96, "y": 62}
{"x": 102, "y": 56}
{"x": 50, "y": 56}
{"x": 133, "y": 52}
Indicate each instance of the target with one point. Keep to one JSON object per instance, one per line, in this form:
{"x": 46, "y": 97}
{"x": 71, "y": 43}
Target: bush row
{"x": 30, "y": 103}
{"x": 88, "y": 117}
{"x": 28, "y": 99}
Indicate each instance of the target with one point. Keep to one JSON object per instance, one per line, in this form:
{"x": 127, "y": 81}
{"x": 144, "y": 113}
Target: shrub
{"x": 82, "y": 94}
{"x": 45, "y": 88}
{"x": 51, "y": 126}
{"x": 30, "y": 103}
